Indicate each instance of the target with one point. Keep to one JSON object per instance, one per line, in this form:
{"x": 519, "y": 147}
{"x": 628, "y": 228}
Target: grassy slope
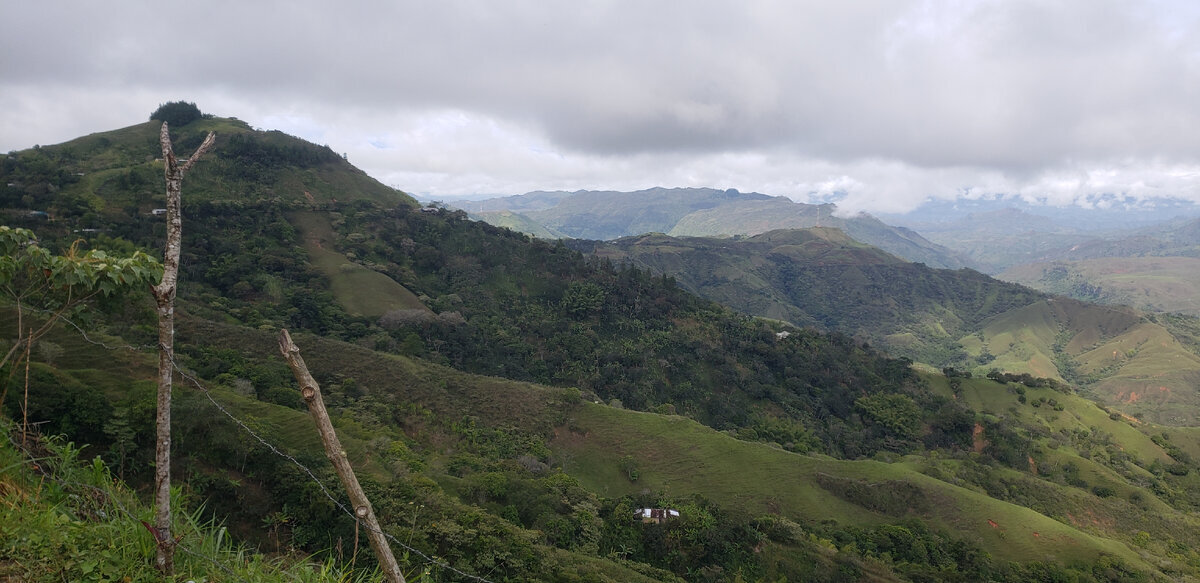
{"x": 519, "y": 223}
{"x": 1137, "y": 365}
{"x": 1078, "y": 413}
{"x": 680, "y": 456}
{"x": 87, "y": 528}
{"x": 1166, "y": 284}
{"x": 361, "y": 291}
{"x": 86, "y": 531}
{"x": 117, "y": 371}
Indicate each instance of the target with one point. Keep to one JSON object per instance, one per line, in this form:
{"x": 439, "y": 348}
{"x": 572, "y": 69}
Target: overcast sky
{"x": 879, "y": 105}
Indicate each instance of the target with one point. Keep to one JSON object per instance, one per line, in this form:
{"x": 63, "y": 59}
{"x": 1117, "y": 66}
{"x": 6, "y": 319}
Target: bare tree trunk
{"x": 25, "y": 403}
{"x": 311, "y": 391}
{"x": 164, "y": 295}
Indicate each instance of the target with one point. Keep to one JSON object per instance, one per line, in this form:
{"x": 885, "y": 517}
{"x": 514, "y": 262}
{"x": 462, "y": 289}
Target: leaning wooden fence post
{"x": 311, "y": 391}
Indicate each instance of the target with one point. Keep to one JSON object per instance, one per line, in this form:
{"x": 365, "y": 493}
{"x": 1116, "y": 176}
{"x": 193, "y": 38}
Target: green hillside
{"x": 359, "y": 289}
{"x": 509, "y": 403}
{"x": 822, "y": 277}
{"x": 961, "y": 318}
{"x": 1133, "y": 363}
{"x": 1046, "y": 514}
{"x": 517, "y": 222}
{"x": 675, "y": 454}
{"x": 106, "y": 173}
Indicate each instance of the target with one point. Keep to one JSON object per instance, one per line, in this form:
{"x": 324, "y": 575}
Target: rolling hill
{"x": 958, "y": 318}
{"x": 510, "y": 402}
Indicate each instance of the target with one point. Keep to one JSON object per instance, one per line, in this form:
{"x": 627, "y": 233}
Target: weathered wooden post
{"x": 311, "y": 391}
{"x": 164, "y": 296}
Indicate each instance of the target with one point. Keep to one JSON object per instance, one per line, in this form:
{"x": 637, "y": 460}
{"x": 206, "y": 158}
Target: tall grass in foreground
{"x": 63, "y": 519}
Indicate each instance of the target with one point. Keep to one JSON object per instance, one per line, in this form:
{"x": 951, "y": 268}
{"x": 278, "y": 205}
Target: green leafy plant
{"x": 45, "y": 287}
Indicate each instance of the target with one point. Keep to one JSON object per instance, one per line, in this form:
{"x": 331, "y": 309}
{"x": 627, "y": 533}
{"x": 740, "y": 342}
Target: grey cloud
{"x": 968, "y": 91}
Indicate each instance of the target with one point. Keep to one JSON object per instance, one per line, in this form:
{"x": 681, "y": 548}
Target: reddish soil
{"x": 977, "y": 440}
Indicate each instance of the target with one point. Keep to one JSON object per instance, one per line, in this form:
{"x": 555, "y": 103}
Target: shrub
{"x": 629, "y": 467}
{"x": 177, "y": 113}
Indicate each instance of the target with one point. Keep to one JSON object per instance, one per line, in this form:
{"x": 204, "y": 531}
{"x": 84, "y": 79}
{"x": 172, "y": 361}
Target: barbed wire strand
{"x": 84, "y": 334}
{"x": 277, "y": 451}
{"x": 426, "y": 558}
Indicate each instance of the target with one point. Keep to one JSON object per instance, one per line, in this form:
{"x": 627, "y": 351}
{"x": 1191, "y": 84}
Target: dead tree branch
{"x": 311, "y": 391}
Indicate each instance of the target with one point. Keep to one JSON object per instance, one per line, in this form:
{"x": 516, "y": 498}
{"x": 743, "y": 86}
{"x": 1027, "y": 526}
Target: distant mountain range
{"x": 605, "y": 215}
{"x": 998, "y": 235}
{"x": 1155, "y": 269}
{"x": 1107, "y": 214}
{"x": 997, "y": 239}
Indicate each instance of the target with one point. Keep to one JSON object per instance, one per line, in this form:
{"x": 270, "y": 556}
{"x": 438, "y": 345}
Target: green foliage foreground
{"x": 64, "y": 519}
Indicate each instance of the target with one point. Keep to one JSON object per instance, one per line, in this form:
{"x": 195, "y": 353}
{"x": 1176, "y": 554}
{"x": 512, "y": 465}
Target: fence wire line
{"x": 325, "y": 490}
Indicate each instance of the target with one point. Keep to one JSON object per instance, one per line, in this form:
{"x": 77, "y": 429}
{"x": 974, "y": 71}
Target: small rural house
{"x": 656, "y": 515}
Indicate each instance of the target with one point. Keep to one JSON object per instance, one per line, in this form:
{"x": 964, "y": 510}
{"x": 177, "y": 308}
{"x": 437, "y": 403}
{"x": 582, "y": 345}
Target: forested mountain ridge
{"x": 824, "y": 278}
{"x": 946, "y": 318}
{"x": 470, "y": 392}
